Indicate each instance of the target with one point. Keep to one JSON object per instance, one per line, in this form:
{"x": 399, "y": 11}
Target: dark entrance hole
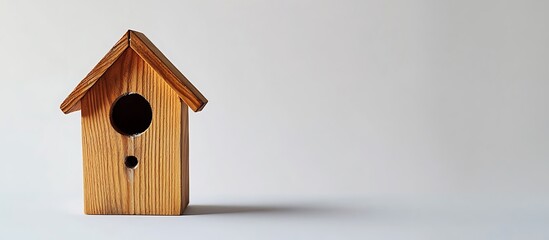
{"x": 131, "y": 114}
{"x": 131, "y": 162}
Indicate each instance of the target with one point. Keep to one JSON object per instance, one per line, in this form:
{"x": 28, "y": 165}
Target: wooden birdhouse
{"x": 135, "y": 131}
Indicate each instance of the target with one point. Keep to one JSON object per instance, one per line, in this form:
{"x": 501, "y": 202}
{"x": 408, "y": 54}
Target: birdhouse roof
{"x": 139, "y": 43}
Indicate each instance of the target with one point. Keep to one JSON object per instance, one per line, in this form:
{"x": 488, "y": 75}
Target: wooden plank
{"x": 150, "y": 53}
{"x": 155, "y": 185}
{"x": 184, "y": 156}
{"x": 72, "y": 102}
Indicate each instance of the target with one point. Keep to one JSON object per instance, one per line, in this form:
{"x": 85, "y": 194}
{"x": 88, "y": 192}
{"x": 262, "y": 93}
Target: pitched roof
{"x": 150, "y": 54}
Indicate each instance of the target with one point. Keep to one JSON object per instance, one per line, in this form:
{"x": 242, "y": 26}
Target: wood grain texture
{"x": 72, "y": 102}
{"x": 184, "y": 156}
{"x": 159, "y": 184}
{"x": 150, "y": 53}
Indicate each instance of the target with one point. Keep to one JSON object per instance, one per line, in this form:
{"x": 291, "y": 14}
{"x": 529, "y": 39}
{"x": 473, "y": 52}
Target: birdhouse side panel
{"x": 184, "y": 156}
{"x": 153, "y": 183}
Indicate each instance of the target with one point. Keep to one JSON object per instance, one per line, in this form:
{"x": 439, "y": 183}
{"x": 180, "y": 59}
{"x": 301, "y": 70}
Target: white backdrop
{"x": 431, "y": 102}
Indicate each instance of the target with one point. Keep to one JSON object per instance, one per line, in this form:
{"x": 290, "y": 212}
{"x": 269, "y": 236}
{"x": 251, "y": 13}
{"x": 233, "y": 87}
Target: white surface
{"x": 404, "y": 119}
{"x": 210, "y": 217}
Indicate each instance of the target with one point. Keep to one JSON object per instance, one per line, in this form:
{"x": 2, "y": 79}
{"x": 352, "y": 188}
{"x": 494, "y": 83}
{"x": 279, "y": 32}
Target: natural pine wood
{"x": 159, "y": 184}
{"x": 72, "y": 102}
{"x": 184, "y": 156}
{"x": 150, "y": 54}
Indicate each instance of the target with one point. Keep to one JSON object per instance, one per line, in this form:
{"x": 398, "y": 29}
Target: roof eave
{"x": 72, "y": 101}
{"x": 160, "y": 63}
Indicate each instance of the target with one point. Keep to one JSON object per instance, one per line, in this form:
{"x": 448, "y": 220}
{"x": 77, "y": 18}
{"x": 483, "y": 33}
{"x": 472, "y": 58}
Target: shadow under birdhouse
{"x": 253, "y": 209}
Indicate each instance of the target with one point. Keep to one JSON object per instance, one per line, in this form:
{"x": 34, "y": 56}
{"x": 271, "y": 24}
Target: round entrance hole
{"x": 131, "y": 114}
{"x": 131, "y": 162}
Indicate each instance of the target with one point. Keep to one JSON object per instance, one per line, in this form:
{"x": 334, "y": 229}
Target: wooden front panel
{"x": 155, "y": 185}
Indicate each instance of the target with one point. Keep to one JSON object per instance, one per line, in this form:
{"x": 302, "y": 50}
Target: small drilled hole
{"x": 131, "y": 162}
